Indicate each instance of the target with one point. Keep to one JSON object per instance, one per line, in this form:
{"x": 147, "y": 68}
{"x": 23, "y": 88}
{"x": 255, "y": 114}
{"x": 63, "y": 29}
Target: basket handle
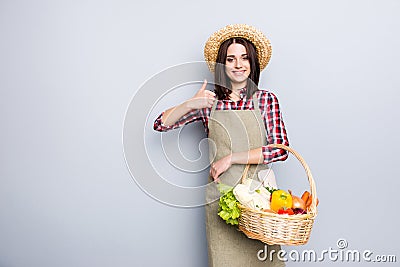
{"x": 313, "y": 207}
{"x": 244, "y": 174}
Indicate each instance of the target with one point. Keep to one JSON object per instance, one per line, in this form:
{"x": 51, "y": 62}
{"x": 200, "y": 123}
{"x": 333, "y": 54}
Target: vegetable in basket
{"x": 281, "y": 200}
{"x": 288, "y": 211}
{"x": 257, "y": 199}
{"x": 298, "y": 204}
{"x": 307, "y": 198}
{"x": 228, "y": 209}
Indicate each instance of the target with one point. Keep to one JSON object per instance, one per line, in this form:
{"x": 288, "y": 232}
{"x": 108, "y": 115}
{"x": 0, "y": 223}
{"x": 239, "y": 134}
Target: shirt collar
{"x": 243, "y": 92}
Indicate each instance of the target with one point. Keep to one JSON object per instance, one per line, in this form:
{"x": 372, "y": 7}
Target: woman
{"x": 240, "y": 120}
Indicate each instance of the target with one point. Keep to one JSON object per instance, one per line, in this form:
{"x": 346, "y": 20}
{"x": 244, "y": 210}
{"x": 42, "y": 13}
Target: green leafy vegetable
{"x": 228, "y": 209}
{"x": 224, "y": 188}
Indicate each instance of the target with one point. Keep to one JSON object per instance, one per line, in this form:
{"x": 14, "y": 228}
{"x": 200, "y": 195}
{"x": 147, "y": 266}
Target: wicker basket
{"x": 272, "y": 228}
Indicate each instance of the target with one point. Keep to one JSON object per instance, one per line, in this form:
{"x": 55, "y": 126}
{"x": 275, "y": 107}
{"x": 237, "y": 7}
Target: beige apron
{"x": 233, "y": 131}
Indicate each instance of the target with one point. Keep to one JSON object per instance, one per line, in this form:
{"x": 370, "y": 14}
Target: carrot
{"x": 305, "y": 196}
{"x": 309, "y": 200}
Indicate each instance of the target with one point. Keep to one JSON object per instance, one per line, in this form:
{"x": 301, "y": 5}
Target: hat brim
{"x": 260, "y": 41}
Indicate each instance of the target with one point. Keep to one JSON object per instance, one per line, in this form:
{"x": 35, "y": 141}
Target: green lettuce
{"x": 228, "y": 209}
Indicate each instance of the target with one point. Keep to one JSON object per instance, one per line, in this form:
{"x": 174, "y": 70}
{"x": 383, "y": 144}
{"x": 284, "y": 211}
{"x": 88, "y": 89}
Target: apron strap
{"x": 255, "y": 102}
{"x": 213, "y": 108}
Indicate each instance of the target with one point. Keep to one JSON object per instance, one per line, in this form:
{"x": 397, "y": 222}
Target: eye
{"x": 245, "y": 57}
{"x": 229, "y": 59}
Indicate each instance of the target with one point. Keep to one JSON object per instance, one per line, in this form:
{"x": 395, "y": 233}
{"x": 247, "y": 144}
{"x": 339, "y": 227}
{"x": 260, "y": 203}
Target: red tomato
{"x": 288, "y": 211}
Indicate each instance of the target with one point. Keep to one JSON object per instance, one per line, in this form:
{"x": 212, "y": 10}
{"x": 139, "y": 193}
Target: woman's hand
{"x": 202, "y": 99}
{"x": 220, "y": 166}
{"x": 254, "y": 156}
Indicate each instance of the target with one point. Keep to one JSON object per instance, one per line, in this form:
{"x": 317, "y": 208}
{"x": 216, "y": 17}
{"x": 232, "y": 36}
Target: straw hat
{"x": 260, "y": 41}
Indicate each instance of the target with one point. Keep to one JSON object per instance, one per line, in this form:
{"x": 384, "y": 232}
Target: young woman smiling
{"x": 241, "y": 120}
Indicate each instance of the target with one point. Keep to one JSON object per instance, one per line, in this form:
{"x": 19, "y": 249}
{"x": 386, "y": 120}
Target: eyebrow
{"x": 234, "y": 55}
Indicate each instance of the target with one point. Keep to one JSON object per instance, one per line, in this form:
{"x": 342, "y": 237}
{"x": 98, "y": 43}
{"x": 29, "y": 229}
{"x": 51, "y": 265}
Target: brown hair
{"x": 222, "y": 81}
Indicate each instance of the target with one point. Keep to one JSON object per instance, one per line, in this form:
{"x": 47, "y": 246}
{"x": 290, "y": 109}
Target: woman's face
{"x": 237, "y": 65}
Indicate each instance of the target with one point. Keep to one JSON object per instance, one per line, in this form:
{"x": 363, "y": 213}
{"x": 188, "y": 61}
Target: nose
{"x": 238, "y": 63}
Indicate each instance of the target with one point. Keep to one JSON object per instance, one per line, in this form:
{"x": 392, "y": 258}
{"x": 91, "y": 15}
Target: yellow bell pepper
{"x": 281, "y": 200}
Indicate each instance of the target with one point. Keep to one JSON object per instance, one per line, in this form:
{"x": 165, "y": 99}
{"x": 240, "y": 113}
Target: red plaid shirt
{"x": 269, "y": 107}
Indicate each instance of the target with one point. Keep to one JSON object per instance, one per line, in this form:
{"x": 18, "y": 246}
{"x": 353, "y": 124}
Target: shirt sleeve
{"x": 189, "y": 117}
{"x": 276, "y": 132}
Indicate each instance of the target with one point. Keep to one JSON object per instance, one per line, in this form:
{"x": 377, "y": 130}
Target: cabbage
{"x": 255, "y": 199}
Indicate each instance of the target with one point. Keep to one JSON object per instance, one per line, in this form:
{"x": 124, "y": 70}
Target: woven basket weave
{"x": 280, "y": 229}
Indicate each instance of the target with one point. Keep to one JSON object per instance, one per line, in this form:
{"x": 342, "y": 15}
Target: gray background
{"x": 69, "y": 69}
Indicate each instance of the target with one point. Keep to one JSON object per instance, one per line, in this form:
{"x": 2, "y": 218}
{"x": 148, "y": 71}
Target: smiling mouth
{"x": 238, "y": 72}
